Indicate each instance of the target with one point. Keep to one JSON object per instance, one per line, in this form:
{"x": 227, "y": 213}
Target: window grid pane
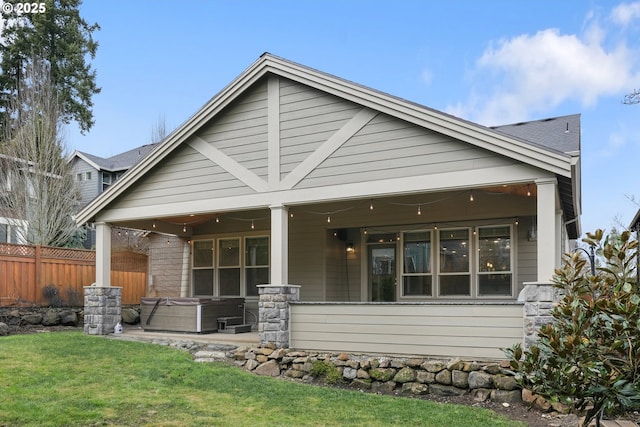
{"x": 494, "y": 261}
{"x": 455, "y": 277}
{"x": 229, "y": 253}
{"x": 203, "y": 253}
{"x": 417, "y": 269}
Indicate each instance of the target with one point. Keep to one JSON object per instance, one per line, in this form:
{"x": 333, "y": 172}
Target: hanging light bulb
{"x": 528, "y": 191}
{"x": 154, "y": 224}
{"x": 365, "y": 231}
{"x": 419, "y": 210}
{"x": 435, "y": 227}
{"x": 290, "y": 214}
{"x": 253, "y": 226}
{"x": 517, "y": 220}
{"x": 184, "y": 228}
{"x": 217, "y": 219}
{"x": 371, "y": 205}
{"x": 328, "y": 218}
{"x": 471, "y": 197}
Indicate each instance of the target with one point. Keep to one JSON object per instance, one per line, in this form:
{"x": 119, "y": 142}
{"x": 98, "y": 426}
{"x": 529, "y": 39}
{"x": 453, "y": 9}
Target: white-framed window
{"x": 87, "y": 175}
{"x": 230, "y": 266}
{"x": 203, "y": 257}
{"x": 256, "y": 263}
{"x": 454, "y": 274}
{"x": 79, "y": 177}
{"x": 494, "y": 266}
{"x": 12, "y": 231}
{"x": 106, "y": 180}
{"x": 417, "y": 269}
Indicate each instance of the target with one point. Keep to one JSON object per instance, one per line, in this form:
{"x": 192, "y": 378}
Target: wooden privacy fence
{"x": 26, "y": 270}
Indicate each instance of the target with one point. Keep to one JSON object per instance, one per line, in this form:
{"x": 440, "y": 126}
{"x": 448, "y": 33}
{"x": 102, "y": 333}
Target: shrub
{"x": 52, "y": 295}
{"x": 589, "y": 357}
{"x": 326, "y": 370}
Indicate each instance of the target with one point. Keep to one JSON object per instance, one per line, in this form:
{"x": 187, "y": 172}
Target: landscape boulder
{"x": 50, "y": 318}
{"x": 69, "y": 318}
{"x": 4, "y": 329}
{"x": 130, "y": 316}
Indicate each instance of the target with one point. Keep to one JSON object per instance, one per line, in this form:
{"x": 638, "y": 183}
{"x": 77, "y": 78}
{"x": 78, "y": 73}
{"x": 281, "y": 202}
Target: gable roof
{"x": 119, "y": 162}
{"x": 511, "y": 145}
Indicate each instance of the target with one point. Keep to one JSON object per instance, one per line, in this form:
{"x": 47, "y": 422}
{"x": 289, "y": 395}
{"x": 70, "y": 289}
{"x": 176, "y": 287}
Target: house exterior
{"x": 94, "y": 175}
{"x": 394, "y": 225}
{"x": 13, "y": 226}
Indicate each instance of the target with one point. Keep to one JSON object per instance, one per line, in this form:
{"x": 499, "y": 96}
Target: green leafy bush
{"x": 589, "y": 357}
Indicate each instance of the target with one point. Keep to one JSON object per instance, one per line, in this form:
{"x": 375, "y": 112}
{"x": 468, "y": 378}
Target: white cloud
{"x": 624, "y": 13}
{"x": 427, "y": 76}
{"x": 532, "y": 74}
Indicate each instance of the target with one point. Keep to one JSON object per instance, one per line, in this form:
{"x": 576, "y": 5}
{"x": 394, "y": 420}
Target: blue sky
{"x": 492, "y": 62}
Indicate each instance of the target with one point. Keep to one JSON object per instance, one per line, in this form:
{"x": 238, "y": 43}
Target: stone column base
{"x": 273, "y": 313}
{"x": 102, "y": 309}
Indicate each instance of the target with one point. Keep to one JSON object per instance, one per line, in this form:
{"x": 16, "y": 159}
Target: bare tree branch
{"x": 39, "y": 191}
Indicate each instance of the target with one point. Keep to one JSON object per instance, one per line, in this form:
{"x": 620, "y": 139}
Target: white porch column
{"x": 548, "y": 245}
{"x": 279, "y": 245}
{"x": 103, "y": 254}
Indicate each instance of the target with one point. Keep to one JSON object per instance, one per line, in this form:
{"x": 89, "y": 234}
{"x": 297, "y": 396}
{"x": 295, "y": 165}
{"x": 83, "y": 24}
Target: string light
{"x": 154, "y": 224}
{"x": 419, "y": 210}
{"x": 253, "y": 226}
{"x": 371, "y": 205}
{"x": 528, "y": 191}
{"x": 471, "y": 197}
{"x": 517, "y": 220}
{"x": 328, "y": 218}
{"x": 184, "y": 228}
{"x": 218, "y": 219}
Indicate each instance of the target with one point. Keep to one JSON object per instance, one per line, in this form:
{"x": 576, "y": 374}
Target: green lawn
{"x": 72, "y": 379}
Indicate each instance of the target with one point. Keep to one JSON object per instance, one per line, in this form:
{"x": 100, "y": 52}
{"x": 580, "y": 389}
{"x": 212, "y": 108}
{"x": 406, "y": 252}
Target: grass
{"x": 72, "y": 379}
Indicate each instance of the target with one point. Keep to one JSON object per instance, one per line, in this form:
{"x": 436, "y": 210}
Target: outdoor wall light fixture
{"x": 350, "y": 248}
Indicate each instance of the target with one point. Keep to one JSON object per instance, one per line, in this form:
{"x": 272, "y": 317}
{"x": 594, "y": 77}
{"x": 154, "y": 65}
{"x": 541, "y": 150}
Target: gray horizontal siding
{"x": 185, "y": 176}
{"x": 89, "y": 189}
{"x": 476, "y": 331}
{"x": 390, "y": 148}
{"x": 308, "y": 117}
{"x": 240, "y": 131}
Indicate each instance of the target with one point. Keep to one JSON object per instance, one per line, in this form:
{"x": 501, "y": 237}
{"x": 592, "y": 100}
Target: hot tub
{"x": 196, "y": 315}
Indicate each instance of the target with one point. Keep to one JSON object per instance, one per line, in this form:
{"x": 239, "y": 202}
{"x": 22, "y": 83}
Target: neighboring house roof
{"x": 558, "y": 133}
{"x": 524, "y": 143}
{"x": 119, "y": 162}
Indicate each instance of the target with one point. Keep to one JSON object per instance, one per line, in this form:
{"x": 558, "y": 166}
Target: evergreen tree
{"x": 59, "y": 35}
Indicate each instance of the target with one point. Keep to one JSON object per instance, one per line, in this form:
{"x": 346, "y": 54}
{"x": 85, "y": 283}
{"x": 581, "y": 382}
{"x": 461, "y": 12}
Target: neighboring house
{"x": 408, "y": 230}
{"x": 94, "y": 174}
{"x": 13, "y": 228}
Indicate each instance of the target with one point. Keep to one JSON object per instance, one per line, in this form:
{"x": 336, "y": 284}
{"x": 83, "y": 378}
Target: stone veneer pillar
{"x": 539, "y": 299}
{"x": 102, "y": 309}
{"x": 273, "y": 313}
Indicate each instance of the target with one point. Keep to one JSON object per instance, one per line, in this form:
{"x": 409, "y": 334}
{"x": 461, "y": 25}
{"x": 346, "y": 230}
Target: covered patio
{"x": 294, "y": 177}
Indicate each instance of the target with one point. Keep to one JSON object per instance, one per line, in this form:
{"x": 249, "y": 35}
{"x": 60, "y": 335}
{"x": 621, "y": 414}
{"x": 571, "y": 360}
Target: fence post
{"x": 38, "y": 273}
